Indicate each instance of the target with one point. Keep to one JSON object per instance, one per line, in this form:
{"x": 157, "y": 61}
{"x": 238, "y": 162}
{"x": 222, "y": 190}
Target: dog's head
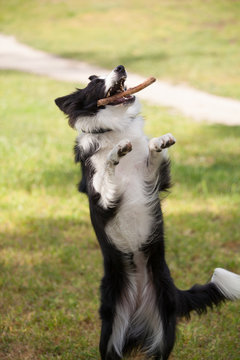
{"x": 81, "y": 106}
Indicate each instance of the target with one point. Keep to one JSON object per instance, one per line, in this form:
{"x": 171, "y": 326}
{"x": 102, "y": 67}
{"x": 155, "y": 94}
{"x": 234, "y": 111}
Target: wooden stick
{"x": 129, "y": 91}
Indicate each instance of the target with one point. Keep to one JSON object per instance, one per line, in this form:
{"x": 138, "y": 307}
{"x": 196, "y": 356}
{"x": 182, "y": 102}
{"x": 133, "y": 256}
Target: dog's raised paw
{"x": 124, "y": 147}
{"x": 162, "y": 142}
{"x": 120, "y": 150}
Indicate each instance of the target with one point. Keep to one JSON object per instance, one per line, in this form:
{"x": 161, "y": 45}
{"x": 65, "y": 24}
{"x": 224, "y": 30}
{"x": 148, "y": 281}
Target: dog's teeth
{"x": 109, "y": 92}
{"x": 122, "y": 85}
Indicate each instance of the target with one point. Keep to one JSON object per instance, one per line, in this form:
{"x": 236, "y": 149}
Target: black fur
{"x": 83, "y": 102}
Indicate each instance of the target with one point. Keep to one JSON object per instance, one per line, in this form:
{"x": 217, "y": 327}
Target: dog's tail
{"x": 223, "y": 286}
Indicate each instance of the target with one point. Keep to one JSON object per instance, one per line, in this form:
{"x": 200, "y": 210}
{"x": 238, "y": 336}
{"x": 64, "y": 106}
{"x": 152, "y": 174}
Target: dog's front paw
{"x": 163, "y": 142}
{"x": 120, "y": 150}
{"x": 124, "y": 147}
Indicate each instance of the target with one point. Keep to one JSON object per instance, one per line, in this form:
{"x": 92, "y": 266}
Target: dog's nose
{"x": 120, "y": 69}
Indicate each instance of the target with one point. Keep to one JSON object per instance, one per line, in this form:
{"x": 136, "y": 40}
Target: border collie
{"x": 122, "y": 174}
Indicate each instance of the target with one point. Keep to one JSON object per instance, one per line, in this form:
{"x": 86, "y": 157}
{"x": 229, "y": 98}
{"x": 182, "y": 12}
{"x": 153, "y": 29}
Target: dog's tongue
{"x": 125, "y": 94}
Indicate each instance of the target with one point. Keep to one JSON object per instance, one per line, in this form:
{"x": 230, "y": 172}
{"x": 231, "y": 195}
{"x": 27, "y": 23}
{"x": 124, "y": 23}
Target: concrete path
{"x": 191, "y": 102}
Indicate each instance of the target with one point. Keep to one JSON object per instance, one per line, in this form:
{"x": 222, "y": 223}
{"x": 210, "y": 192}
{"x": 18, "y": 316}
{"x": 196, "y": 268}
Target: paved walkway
{"x": 191, "y": 102}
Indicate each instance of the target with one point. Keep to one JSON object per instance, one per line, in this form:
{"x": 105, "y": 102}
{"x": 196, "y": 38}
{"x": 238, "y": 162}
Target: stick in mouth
{"x": 130, "y": 91}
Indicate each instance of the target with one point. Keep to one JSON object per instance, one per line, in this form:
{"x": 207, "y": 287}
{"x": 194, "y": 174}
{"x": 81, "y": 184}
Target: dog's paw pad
{"x": 163, "y": 142}
{"x": 124, "y": 148}
{"x": 168, "y": 140}
{"x": 120, "y": 150}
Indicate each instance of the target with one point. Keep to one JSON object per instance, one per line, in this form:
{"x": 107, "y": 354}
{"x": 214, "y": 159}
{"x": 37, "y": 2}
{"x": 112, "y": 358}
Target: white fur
{"x": 104, "y": 180}
{"x": 146, "y": 318}
{"x": 86, "y": 141}
{"x": 227, "y": 282}
{"x": 132, "y": 223}
{"x": 117, "y": 118}
{"x": 111, "y": 79}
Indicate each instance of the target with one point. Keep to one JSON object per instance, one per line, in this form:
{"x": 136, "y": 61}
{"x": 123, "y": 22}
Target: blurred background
{"x": 50, "y": 262}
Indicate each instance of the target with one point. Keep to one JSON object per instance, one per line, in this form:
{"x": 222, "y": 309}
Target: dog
{"x": 122, "y": 174}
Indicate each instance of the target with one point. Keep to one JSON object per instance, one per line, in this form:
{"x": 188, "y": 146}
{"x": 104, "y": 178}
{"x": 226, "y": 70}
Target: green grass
{"x": 191, "y": 41}
{"x": 50, "y": 262}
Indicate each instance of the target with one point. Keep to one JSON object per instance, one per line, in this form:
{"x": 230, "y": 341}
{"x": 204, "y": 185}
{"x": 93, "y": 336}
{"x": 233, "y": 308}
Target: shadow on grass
{"x": 191, "y": 235}
{"x": 43, "y": 255}
{"x": 45, "y": 232}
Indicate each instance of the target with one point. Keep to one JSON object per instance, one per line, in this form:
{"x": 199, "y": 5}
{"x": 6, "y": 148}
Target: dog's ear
{"x": 71, "y": 105}
{"x": 93, "y": 77}
{"x": 65, "y": 103}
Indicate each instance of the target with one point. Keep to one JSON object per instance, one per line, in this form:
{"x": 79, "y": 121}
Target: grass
{"x": 191, "y": 41}
{"x": 50, "y": 262}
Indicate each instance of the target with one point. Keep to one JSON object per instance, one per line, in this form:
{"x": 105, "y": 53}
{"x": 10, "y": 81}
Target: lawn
{"x": 49, "y": 258}
{"x": 190, "y": 41}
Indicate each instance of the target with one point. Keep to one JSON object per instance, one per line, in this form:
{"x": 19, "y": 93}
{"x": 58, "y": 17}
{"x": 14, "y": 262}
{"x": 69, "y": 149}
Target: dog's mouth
{"x": 118, "y": 88}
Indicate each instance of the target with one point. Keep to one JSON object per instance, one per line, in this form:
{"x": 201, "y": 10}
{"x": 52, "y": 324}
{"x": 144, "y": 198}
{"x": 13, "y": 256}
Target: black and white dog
{"x": 122, "y": 174}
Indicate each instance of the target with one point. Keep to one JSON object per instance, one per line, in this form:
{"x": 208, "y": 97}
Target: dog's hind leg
{"x": 107, "y": 313}
{"x": 106, "y": 332}
{"x": 113, "y": 316}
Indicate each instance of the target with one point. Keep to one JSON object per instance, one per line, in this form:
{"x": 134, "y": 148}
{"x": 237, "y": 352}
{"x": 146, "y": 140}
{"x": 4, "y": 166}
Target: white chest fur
{"x": 131, "y": 225}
